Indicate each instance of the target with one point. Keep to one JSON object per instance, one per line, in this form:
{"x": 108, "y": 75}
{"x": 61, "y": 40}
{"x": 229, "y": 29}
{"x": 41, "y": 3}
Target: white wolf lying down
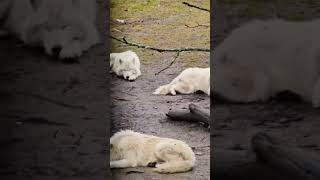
{"x": 263, "y": 58}
{"x": 126, "y": 64}
{"x": 132, "y": 149}
{"x": 189, "y": 81}
{"x": 65, "y": 28}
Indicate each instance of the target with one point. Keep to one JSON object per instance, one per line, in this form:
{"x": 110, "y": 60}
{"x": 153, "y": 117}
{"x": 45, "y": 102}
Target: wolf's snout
{"x": 56, "y": 50}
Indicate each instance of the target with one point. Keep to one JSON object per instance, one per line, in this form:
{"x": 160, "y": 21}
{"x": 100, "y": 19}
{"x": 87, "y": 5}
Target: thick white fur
{"x": 189, "y": 81}
{"x": 125, "y": 64}
{"x": 132, "y": 149}
{"x": 14, "y": 13}
{"x": 262, "y": 58}
{"x": 64, "y": 28}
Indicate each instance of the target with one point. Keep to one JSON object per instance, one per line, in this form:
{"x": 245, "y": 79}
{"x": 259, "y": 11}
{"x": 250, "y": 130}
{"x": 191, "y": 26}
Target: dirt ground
{"x": 53, "y": 114}
{"x": 134, "y": 107}
{"x": 162, "y": 25}
{"x": 285, "y": 117}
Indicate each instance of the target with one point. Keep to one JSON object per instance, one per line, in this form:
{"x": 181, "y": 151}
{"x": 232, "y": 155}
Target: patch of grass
{"x": 295, "y": 16}
{"x": 194, "y": 59}
{"x": 162, "y": 24}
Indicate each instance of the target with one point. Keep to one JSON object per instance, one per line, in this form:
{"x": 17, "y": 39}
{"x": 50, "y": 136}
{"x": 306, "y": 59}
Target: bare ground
{"x": 162, "y": 25}
{"x": 285, "y": 117}
{"x": 134, "y": 107}
{"x": 53, "y": 114}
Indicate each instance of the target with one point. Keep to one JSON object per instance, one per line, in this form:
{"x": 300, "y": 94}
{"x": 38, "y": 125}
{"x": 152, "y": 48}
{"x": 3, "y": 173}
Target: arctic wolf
{"x": 132, "y": 149}
{"x": 125, "y": 64}
{"x": 65, "y": 28}
{"x": 262, "y": 58}
{"x": 189, "y": 81}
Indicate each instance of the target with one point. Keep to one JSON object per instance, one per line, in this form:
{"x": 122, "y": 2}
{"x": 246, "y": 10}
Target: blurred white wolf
{"x": 263, "y": 58}
{"x": 189, "y": 81}
{"x": 132, "y": 149}
{"x": 65, "y": 28}
{"x": 126, "y": 64}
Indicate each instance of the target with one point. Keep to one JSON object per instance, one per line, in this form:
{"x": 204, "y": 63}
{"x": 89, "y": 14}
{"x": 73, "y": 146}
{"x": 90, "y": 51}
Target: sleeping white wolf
{"x": 65, "y": 28}
{"x": 125, "y": 64}
{"x": 189, "y": 81}
{"x": 132, "y": 149}
{"x": 262, "y": 58}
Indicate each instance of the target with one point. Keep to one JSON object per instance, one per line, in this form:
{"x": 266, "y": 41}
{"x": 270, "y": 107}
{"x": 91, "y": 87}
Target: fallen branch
{"x": 194, "y": 114}
{"x": 173, "y": 60}
{"x": 303, "y": 164}
{"x": 198, "y": 25}
{"x": 123, "y": 40}
{"x": 194, "y": 6}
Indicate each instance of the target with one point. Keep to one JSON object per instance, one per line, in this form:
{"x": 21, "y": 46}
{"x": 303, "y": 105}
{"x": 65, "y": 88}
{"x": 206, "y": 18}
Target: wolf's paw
{"x": 164, "y": 90}
{"x": 70, "y": 52}
{"x": 156, "y": 92}
{"x": 159, "y": 91}
{"x": 130, "y": 75}
{"x": 132, "y": 78}
{"x": 173, "y": 92}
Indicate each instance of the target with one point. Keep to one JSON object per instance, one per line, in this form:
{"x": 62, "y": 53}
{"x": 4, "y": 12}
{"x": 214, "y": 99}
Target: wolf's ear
{"x": 120, "y": 61}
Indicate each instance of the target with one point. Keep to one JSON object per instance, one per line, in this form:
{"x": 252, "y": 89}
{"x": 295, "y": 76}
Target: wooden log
{"x": 202, "y": 114}
{"x": 237, "y": 165}
{"x": 182, "y": 115}
{"x": 193, "y": 114}
{"x": 301, "y": 163}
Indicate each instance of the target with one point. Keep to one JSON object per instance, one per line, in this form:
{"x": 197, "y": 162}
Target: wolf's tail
{"x": 165, "y": 89}
{"x": 174, "y": 167}
{"x": 177, "y": 157}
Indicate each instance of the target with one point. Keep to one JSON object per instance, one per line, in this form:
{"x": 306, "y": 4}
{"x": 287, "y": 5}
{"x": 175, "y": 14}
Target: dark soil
{"x": 53, "y": 114}
{"x": 134, "y": 107}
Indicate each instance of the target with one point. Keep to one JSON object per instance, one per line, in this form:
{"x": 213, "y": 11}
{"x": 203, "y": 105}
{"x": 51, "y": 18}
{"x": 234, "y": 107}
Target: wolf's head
{"x": 61, "y": 28}
{"x": 124, "y": 63}
{"x": 117, "y": 143}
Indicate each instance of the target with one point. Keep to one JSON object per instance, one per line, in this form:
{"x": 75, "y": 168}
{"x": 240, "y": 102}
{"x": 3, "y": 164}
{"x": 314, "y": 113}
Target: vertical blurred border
{"x": 108, "y": 109}
{"x": 212, "y": 45}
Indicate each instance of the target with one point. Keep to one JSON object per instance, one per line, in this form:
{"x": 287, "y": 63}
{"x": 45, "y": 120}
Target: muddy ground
{"x": 134, "y": 107}
{"x": 53, "y": 114}
{"x": 161, "y": 24}
{"x": 286, "y": 117}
